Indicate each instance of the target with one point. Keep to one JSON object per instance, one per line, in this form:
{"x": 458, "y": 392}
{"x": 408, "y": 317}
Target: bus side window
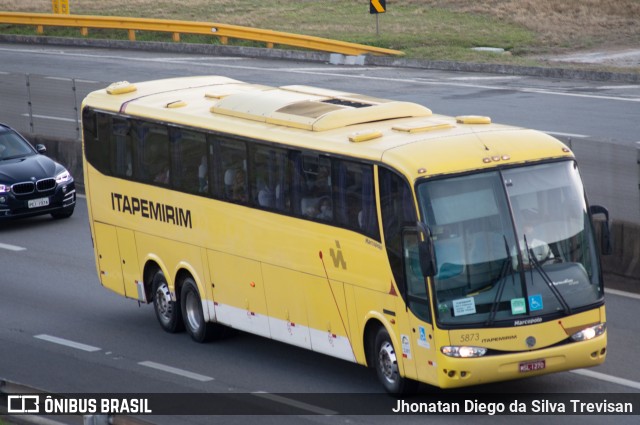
{"x": 151, "y": 145}
{"x": 96, "y": 131}
{"x": 190, "y": 167}
{"x": 269, "y": 184}
{"x": 355, "y": 197}
{"x": 312, "y": 186}
{"x": 121, "y": 148}
{"x": 233, "y": 162}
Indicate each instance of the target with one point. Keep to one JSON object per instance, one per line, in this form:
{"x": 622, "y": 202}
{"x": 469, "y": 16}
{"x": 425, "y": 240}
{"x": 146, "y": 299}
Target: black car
{"x": 30, "y": 183}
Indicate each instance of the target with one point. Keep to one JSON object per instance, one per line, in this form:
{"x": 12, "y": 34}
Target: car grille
{"x": 26, "y": 188}
{"x": 46, "y": 184}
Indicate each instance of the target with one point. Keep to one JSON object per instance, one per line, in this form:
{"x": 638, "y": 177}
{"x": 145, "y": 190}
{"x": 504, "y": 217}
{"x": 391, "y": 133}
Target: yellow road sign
{"x": 377, "y": 6}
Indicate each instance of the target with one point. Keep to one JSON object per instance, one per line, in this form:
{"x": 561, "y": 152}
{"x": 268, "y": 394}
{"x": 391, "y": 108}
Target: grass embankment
{"x": 425, "y": 29}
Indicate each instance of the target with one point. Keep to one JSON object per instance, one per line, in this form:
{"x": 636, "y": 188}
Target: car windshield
{"x": 511, "y": 245}
{"x": 12, "y": 145}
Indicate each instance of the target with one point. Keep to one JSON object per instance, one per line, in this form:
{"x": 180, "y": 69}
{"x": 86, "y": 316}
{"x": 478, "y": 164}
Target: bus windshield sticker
{"x": 518, "y": 306}
{"x": 535, "y": 302}
{"x": 406, "y": 347}
{"x": 464, "y": 306}
{"x": 422, "y": 340}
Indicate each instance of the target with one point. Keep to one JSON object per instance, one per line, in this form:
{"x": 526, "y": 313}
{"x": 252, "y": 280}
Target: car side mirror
{"x": 603, "y": 228}
{"x": 42, "y": 149}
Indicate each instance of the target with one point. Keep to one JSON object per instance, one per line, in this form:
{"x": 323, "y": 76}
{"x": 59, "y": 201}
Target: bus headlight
{"x": 589, "y": 333}
{"x": 463, "y": 351}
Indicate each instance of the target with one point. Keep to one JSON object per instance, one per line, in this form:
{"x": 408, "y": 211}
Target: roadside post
{"x": 376, "y": 7}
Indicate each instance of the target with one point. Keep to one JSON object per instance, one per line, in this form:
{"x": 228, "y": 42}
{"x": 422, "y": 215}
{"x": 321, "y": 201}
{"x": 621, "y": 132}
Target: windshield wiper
{"x": 501, "y": 282}
{"x": 533, "y": 260}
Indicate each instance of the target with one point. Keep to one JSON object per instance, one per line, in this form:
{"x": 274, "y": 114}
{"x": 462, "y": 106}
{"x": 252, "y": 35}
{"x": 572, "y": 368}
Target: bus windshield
{"x": 511, "y": 245}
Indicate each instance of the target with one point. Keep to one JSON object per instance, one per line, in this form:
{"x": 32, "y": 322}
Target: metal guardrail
{"x": 223, "y": 31}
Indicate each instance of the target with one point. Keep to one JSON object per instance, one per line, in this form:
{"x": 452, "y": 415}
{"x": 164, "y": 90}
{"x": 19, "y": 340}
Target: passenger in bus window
{"x": 325, "y": 210}
{"x": 239, "y": 188}
{"x": 203, "y": 183}
{"x": 266, "y": 197}
{"x": 322, "y": 183}
{"x": 163, "y": 175}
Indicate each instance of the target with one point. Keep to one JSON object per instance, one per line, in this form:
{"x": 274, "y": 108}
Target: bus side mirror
{"x": 603, "y": 230}
{"x": 426, "y": 252}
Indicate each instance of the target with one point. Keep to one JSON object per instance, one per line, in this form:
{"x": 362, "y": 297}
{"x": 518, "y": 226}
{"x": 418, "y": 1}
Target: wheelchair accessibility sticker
{"x": 535, "y": 302}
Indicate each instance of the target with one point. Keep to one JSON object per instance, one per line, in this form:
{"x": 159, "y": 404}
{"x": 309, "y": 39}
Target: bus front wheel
{"x": 386, "y": 364}
{"x": 166, "y": 308}
{"x": 197, "y": 327}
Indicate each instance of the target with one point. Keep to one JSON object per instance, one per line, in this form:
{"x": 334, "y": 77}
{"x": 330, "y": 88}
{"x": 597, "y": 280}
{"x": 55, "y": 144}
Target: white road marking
{"x": 49, "y": 117}
{"x": 557, "y": 133}
{"x": 176, "y": 371}
{"x": 622, "y": 293}
{"x": 67, "y": 343}
{"x": 618, "y": 87}
{"x": 607, "y": 378}
{"x": 499, "y": 77}
{"x": 11, "y": 247}
{"x": 294, "y": 403}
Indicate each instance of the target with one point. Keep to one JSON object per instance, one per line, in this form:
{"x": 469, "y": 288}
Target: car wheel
{"x": 63, "y": 213}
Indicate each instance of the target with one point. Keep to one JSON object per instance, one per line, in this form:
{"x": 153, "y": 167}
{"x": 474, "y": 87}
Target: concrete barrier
{"x": 625, "y": 259}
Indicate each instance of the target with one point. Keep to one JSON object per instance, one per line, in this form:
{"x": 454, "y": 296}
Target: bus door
{"x": 414, "y": 328}
{"x": 419, "y": 344}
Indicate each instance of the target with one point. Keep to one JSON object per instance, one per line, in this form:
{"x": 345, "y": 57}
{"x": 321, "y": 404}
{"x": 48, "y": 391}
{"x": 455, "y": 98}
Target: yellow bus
{"x": 448, "y": 251}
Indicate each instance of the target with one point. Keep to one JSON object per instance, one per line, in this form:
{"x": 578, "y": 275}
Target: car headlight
{"x": 589, "y": 333}
{"x": 463, "y": 351}
{"x": 4, "y": 188}
{"x": 63, "y": 177}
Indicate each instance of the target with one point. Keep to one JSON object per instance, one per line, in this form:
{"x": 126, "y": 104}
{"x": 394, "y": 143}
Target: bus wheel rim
{"x": 388, "y": 363}
{"x": 164, "y": 306}
{"x": 193, "y": 312}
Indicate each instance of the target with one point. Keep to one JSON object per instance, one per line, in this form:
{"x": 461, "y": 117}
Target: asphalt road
{"x": 62, "y": 332}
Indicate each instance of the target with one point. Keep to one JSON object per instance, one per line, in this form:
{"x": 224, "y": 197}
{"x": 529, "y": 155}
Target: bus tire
{"x": 385, "y": 362}
{"x": 166, "y": 308}
{"x": 197, "y": 327}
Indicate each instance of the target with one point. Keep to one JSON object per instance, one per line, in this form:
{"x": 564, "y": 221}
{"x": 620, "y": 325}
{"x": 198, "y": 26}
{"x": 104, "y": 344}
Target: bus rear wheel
{"x": 197, "y": 327}
{"x": 166, "y": 308}
{"x": 385, "y": 362}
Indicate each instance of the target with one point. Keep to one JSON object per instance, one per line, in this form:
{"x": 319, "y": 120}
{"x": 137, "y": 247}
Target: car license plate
{"x": 531, "y": 366}
{"x": 36, "y": 203}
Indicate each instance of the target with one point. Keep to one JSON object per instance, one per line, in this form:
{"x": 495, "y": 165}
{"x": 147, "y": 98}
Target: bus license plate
{"x": 531, "y": 366}
{"x": 36, "y": 203}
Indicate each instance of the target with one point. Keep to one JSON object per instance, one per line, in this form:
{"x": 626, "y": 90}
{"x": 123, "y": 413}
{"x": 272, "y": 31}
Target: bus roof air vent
{"x": 314, "y": 109}
{"x": 346, "y": 102}
{"x": 364, "y": 136}
{"x": 121, "y": 87}
{"x": 473, "y": 119}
